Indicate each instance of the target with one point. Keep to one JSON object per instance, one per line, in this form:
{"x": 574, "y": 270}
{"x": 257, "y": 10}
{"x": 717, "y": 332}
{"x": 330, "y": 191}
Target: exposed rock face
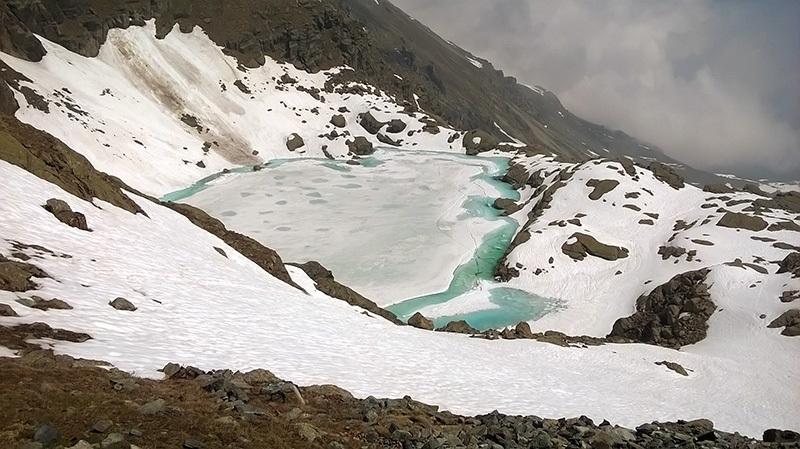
{"x": 478, "y": 141}
{"x": 508, "y": 206}
{"x": 325, "y": 282}
{"x": 419, "y": 321}
{"x": 15, "y": 37}
{"x": 588, "y": 245}
{"x": 360, "y": 146}
{"x": 294, "y": 141}
{"x": 16, "y": 276}
{"x": 791, "y": 264}
{"x": 742, "y": 221}
{"x": 666, "y": 174}
{"x": 517, "y": 176}
{"x": 6, "y": 310}
{"x": 370, "y": 123}
{"x": 674, "y": 314}
{"x": 264, "y": 257}
{"x": 61, "y": 210}
{"x": 790, "y": 321}
{"x": 601, "y": 187}
{"x": 789, "y": 201}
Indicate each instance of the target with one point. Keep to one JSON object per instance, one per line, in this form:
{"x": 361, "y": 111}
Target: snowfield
{"x": 199, "y": 307}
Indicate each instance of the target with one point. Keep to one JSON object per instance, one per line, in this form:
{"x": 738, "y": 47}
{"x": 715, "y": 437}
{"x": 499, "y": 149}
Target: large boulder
{"x": 294, "y": 141}
{"x": 360, "y": 146}
{"x": 16, "y": 276}
{"x": 457, "y": 327}
{"x": 737, "y": 220}
{"x": 478, "y": 141}
{"x": 790, "y": 321}
{"x": 338, "y": 121}
{"x": 370, "y": 123}
{"x": 61, "y": 210}
{"x": 396, "y": 126}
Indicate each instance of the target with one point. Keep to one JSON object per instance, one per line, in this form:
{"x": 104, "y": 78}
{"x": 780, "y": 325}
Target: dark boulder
{"x": 16, "y": 276}
{"x": 294, "y": 141}
{"x": 508, "y": 206}
{"x": 781, "y": 436}
{"x": 360, "y": 146}
{"x": 122, "y": 304}
{"x": 61, "y": 210}
{"x": 16, "y": 39}
{"x": 370, "y": 123}
{"x": 387, "y": 140}
{"x": 338, "y": 121}
{"x": 6, "y": 310}
{"x": 717, "y": 188}
{"x": 478, "y": 141}
{"x": 790, "y": 321}
{"x": 396, "y": 126}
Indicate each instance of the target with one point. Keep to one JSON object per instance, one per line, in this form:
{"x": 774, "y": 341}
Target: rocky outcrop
{"x": 15, "y": 38}
{"x": 601, "y": 187}
{"x": 587, "y": 245}
{"x": 790, "y": 264}
{"x": 325, "y": 282}
{"x": 717, "y": 188}
{"x": 789, "y": 201}
{"x": 508, "y": 206}
{"x": 790, "y": 321}
{"x": 420, "y": 322}
{"x": 674, "y": 314}
{"x": 736, "y": 220}
{"x": 264, "y": 257}
{"x": 50, "y": 159}
{"x": 16, "y": 276}
{"x": 666, "y": 174}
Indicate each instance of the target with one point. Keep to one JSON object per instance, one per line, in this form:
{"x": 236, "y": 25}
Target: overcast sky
{"x": 715, "y": 84}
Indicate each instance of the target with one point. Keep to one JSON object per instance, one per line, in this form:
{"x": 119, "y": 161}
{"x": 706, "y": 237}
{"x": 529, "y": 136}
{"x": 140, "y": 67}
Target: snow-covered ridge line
{"x": 178, "y": 109}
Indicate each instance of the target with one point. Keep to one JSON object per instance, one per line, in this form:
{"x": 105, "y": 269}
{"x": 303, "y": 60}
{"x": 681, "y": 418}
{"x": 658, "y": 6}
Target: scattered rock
{"x": 419, "y": 321}
{"x": 112, "y": 439}
{"x": 308, "y": 432}
{"x": 737, "y": 220}
{"x": 242, "y": 87}
{"x": 170, "y": 369}
{"x": 61, "y": 210}
{"x": 787, "y": 296}
{"x": 523, "y": 330}
{"x": 192, "y": 443}
{"x": 122, "y": 304}
{"x": 82, "y": 444}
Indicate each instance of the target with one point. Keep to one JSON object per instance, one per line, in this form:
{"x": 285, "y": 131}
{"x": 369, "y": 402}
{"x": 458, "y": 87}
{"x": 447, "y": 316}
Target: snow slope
{"x": 198, "y": 307}
{"x": 123, "y": 110}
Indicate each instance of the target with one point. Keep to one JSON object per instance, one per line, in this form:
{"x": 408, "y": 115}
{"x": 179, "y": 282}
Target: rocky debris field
{"x": 55, "y": 401}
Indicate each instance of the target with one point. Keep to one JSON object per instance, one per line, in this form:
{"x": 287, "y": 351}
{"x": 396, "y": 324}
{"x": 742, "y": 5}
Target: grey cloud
{"x": 715, "y": 84}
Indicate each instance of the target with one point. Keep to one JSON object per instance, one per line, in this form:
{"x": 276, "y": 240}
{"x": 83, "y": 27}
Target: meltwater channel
{"x": 497, "y": 306}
